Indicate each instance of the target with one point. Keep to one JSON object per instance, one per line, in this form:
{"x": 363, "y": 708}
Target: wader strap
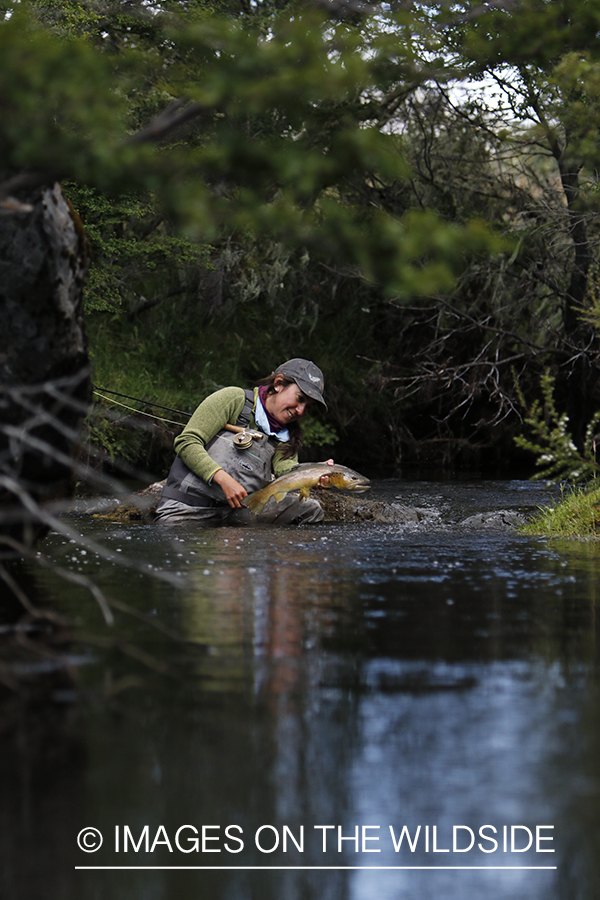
{"x": 246, "y": 414}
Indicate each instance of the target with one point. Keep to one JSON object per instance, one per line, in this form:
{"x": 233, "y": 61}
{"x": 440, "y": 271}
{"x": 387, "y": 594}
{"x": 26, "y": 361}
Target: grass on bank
{"x": 576, "y": 514}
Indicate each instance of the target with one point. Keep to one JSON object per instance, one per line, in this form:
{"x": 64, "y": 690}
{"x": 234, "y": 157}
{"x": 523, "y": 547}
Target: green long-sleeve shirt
{"x": 212, "y": 415}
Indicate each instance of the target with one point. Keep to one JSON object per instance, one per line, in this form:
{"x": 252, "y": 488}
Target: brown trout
{"x": 302, "y": 478}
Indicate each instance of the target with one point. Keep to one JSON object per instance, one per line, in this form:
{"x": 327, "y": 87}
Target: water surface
{"x": 348, "y": 675}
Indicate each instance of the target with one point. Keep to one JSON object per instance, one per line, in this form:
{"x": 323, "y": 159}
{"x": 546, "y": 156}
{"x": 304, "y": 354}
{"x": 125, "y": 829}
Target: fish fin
{"x": 304, "y": 493}
{"x": 279, "y": 495}
{"x": 254, "y": 502}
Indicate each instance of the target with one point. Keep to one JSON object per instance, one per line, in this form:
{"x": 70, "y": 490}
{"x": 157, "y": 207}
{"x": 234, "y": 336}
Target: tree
{"x": 216, "y": 125}
{"x": 205, "y": 147}
{"x": 45, "y": 384}
{"x": 544, "y": 65}
{"x": 521, "y": 153}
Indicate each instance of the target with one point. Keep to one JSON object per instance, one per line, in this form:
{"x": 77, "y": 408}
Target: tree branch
{"x": 174, "y": 115}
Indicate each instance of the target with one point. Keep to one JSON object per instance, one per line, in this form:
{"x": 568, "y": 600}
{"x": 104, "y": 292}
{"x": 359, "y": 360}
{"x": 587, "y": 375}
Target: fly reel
{"x": 242, "y": 440}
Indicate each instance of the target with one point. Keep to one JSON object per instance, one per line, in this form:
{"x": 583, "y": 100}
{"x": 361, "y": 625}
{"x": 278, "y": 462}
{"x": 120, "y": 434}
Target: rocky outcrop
{"x": 346, "y": 508}
{"x": 338, "y": 507}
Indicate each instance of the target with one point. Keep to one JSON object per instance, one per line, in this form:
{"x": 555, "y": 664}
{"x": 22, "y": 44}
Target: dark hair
{"x": 292, "y": 446}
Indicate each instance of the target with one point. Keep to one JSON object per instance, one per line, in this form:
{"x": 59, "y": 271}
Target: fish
{"x": 302, "y": 478}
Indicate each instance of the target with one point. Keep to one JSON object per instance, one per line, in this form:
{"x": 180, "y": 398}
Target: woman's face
{"x": 287, "y": 404}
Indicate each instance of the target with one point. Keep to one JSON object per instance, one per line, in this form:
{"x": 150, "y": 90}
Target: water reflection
{"x": 346, "y": 675}
{"x": 266, "y": 610}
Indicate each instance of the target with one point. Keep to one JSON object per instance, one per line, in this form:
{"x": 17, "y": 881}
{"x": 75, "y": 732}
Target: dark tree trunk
{"x": 44, "y": 376}
{"x": 580, "y": 381}
{"x": 582, "y": 259}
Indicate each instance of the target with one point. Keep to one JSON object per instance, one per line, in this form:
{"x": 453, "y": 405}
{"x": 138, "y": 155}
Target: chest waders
{"x": 251, "y": 467}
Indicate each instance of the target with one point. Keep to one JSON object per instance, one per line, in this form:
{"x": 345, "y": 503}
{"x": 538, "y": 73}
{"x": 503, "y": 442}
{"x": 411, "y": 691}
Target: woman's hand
{"x": 324, "y": 479}
{"x": 233, "y": 490}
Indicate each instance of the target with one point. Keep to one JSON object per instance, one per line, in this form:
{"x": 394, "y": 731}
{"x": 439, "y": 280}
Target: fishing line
{"x": 137, "y": 400}
{"x": 140, "y": 412}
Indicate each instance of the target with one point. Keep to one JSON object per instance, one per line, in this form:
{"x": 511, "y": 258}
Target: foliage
{"x": 265, "y": 180}
{"x": 543, "y": 62}
{"x": 59, "y": 111}
{"x": 557, "y": 456}
{"x": 259, "y": 132}
{"x": 103, "y": 431}
{"x": 318, "y": 434}
{"x": 136, "y": 258}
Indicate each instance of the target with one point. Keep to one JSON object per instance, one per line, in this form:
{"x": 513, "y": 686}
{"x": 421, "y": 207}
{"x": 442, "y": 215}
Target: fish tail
{"x": 255, "y": 502}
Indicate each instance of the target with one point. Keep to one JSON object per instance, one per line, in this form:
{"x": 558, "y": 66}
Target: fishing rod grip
{"x": 237, "y": 429}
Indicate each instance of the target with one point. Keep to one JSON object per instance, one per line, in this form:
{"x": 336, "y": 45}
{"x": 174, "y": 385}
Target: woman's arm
{"x": 233, "y": 490}
{"x": 210, "y": 417}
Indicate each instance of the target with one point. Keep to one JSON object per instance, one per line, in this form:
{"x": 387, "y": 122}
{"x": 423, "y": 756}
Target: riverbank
{"x": 576, "y": 515}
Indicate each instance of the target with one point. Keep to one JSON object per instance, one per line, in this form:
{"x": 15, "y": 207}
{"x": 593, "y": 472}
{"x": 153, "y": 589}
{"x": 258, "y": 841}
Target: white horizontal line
{"x": 328, "y": 868}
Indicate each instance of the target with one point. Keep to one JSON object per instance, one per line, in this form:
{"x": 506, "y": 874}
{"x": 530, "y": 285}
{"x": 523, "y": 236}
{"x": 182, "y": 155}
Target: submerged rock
{"x": 498, "y": 518}
{"x": 139, "y": 507}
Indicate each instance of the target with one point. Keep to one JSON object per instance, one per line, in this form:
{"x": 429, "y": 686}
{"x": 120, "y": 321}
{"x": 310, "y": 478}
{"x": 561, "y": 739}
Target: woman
{"x": 211, "y": 476}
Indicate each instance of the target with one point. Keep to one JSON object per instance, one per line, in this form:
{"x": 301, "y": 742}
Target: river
{"x": 333, "y": 685}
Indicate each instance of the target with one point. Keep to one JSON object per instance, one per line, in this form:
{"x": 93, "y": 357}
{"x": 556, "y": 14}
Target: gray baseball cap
{"x": 307, "y": 376}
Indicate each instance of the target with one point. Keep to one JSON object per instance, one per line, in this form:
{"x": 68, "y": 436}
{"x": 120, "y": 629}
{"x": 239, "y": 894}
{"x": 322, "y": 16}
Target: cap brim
{"x": 310, "y": 391}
